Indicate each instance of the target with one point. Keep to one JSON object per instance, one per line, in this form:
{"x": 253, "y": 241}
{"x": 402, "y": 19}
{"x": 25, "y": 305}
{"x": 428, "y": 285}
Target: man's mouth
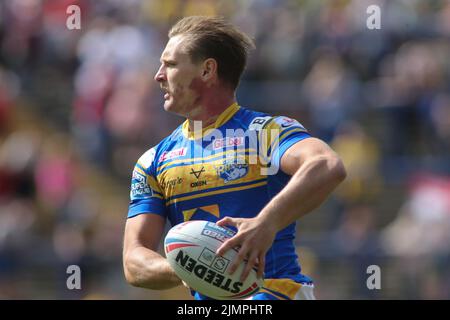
{"x": 166, "y": 93}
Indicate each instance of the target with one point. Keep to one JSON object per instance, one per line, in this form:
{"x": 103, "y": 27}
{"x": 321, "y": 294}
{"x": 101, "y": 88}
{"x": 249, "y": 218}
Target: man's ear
{"x": 209, "y": 70}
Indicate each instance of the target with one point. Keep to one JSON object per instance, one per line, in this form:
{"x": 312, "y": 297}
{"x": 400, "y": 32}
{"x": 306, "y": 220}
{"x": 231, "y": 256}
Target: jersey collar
{"x": 226, "y": 115}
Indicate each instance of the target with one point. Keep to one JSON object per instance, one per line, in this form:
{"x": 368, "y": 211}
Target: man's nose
{"x": 160, "y": 75}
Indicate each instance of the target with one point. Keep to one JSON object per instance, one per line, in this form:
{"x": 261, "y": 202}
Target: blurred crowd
{"x": 78, "y": 107}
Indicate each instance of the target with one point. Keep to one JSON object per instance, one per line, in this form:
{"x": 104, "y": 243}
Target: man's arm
{"x": 143, "y": 265}
{"x": 316, "y": 171}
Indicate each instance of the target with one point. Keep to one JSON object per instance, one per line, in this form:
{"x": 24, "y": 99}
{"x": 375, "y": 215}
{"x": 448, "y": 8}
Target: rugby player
{"x": 205, "y": 169}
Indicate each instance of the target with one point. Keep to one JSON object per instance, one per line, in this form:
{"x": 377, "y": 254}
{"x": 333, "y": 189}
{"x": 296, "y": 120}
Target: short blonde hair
{"x": 213, "y": 37}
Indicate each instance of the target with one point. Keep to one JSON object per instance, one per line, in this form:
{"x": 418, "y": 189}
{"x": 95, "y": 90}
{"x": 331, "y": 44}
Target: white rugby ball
{"x": 190, "y": 249}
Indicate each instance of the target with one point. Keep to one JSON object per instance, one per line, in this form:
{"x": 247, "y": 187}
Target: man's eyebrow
{"x": 165, "y": 60}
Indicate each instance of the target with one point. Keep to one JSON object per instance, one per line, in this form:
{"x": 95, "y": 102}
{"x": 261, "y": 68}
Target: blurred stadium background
{"x": 78, "y": 107}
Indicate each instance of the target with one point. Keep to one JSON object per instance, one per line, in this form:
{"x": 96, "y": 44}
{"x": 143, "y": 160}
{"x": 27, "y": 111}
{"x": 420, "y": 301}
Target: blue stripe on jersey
{"x": 217, "y": 188}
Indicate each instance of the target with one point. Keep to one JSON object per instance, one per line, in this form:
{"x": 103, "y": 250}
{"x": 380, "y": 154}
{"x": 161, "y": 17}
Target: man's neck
{"x": 208, "y": 111}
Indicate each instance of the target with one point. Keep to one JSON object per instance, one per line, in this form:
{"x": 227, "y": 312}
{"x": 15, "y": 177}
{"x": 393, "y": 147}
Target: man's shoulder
{"x": 175, "y": 137}
{"x": 148, "y": 157}
{"x": 252, "y": 119}
{"x": 256, "y": 120}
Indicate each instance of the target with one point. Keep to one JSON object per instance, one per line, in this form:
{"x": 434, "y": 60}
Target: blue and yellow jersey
{"x": 230, "y": 168}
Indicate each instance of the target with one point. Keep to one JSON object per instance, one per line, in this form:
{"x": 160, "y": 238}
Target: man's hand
{"x": 254, "y": 238}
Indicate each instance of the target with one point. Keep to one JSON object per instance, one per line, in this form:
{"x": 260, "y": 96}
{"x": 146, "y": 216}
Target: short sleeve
{"x": 145, "y": 194}
{"x": 279, "y": 135}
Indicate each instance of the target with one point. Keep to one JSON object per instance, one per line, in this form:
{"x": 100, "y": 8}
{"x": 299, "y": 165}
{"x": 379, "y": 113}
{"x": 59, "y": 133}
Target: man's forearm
{"x": 148, "y": 269}
{"x": 307, "y": 189}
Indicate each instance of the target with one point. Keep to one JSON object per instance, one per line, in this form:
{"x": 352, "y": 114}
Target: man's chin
{"x": 169, "y": 107}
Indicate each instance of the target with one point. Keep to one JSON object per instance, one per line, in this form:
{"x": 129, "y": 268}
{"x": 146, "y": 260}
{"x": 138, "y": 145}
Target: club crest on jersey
{"x": 230, "y": 171}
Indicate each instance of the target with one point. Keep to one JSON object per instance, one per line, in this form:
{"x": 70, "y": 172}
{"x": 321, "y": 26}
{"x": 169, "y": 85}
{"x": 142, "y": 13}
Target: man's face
{"x": 177, "y": 76}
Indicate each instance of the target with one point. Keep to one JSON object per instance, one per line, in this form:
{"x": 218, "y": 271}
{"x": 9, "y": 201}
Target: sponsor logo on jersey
{"x": 259, "y": 122}
{"x": 199, "y": 183}
{"x": 287, "y": 122}
{"x": 176, "y": 153}
{"x": 197, "y": 175}
{"x": 171, "y": 183}
{"x": 228, "y": 142}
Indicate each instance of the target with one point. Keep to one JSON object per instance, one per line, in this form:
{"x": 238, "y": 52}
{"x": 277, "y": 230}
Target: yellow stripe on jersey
{"x": 273, "y": 133}
{"x": 211, "y": 193}
{"x": 289, "y": 132}
{"x": 201, "y": 177}
{"x": 286, "y": 287}
{"x": 218, "y": 154}
{"x": 140, "y": 171}
{"x": 262, "y": 290}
